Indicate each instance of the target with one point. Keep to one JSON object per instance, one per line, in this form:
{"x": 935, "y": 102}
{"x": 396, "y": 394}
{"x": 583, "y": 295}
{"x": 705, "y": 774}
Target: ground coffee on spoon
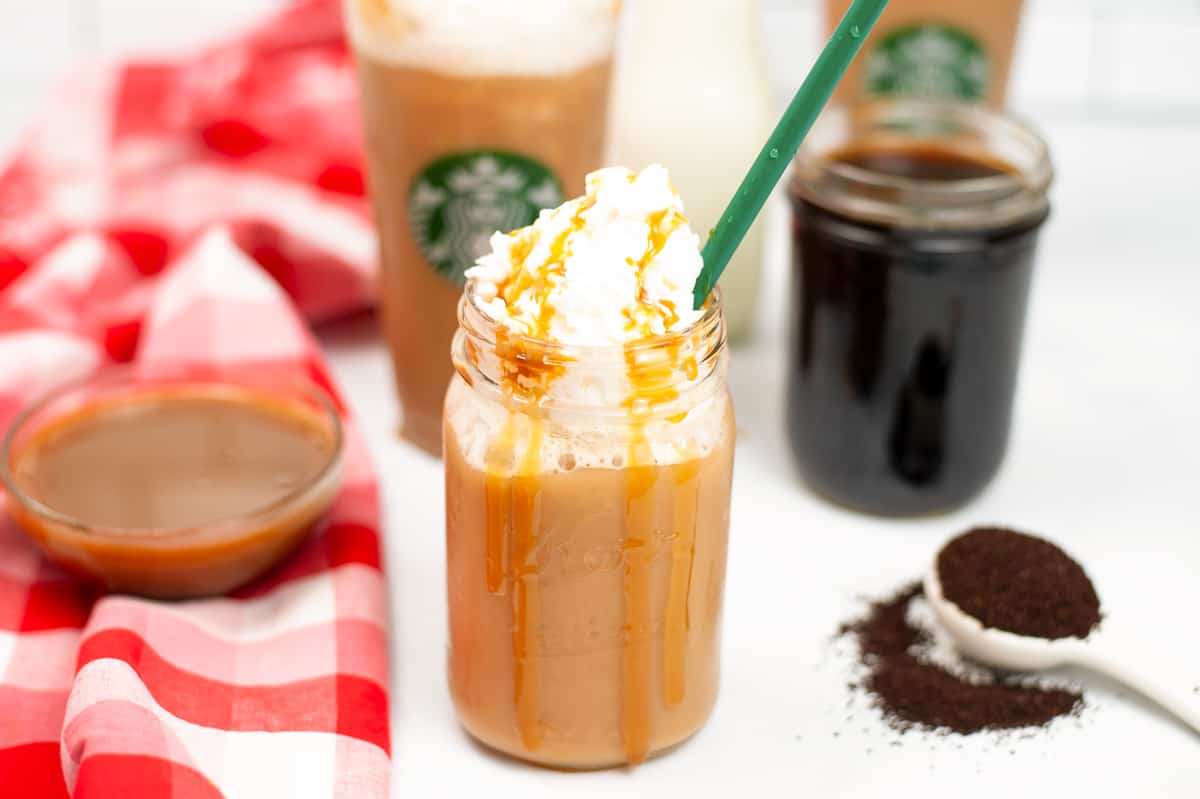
{"x": 1018, "y": 583}
{"x": 914, "y": 689}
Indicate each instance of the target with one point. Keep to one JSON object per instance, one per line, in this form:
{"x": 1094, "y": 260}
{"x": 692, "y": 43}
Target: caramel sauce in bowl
{"x": 173, "y": 487}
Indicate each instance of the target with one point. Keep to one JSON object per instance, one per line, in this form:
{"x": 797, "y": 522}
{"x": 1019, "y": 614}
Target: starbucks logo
{"x": 928, "y": 60}
{"x": 457, "y": 202}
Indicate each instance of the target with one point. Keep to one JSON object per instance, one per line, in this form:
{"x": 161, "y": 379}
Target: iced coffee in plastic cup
{"x": 477, "y": 114}
{"x": 589, "y": 450}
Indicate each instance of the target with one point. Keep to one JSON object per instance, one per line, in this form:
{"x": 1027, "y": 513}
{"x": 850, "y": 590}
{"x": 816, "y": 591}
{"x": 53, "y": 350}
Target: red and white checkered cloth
{"x": 143, "y": 220}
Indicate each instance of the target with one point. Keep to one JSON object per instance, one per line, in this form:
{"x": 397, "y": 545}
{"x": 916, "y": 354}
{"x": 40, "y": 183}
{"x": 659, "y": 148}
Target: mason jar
{"x": 915, "y": 228}
{"x": 587, "y": 515}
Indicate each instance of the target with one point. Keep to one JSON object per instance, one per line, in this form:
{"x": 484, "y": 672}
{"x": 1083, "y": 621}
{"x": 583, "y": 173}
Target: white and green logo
{"x": 457, "y": 202}
{"x": 928, "y": 60}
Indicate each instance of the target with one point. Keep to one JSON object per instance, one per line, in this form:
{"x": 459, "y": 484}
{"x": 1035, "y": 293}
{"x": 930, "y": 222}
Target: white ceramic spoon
{"x": 1101, "y": 651}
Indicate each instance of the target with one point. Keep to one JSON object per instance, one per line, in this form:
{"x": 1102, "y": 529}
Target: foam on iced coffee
{"x": 562, "y": 448}
{"x": 605, "y": 271}
{"x": 467, "y": 37}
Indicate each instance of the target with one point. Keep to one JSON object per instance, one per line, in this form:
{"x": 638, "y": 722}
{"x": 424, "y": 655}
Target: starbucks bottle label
{"x": 457, "y": 202}
{"x": 928, "y": 60}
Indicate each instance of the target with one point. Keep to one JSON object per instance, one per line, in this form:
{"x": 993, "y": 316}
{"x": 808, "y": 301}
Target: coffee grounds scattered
{"x": 1016, "y": 582}
{"x": 913, "y": 691}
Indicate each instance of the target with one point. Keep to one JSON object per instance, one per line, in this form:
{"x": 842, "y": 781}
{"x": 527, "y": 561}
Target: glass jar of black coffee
{"x": 915, "y": 224}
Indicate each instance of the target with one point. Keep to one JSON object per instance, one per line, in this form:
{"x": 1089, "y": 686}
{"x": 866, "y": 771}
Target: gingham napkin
{"x": 190, "y": 215}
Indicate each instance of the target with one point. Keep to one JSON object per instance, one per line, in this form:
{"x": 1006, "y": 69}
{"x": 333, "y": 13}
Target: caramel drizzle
{"x": 650, "y": 374}
{"x": 638, "y": 552}
{"x": 513, "y": 503}
{"x": 651, "y": 377}
{"x": 538, "y": 283}
{"x": 683, "y": 552}
{"x": 640, "y": 318}
{"x": 496, "y": 503}
{"x": 526, "y": 601}
{"x": 512, "y": 496}
{"x": 513, "y": 511}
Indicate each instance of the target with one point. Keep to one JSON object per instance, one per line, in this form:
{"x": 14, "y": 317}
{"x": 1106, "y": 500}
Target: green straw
{"x": 781, "y": 146}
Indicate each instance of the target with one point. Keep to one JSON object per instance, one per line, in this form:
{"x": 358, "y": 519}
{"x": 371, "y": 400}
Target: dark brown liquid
{"x": 922, "y": 163}
{"x": 173, "y": 460}
{"x": 905, "y": 347}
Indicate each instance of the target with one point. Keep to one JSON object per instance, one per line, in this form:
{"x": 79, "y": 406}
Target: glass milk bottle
{"x": 691, "y": 93}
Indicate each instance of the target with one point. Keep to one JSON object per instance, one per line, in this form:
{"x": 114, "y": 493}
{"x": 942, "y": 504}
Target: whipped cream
{"x": 595, "y": 277}
{"x": 612, "y": 267}
{"x": 485, "y": 37}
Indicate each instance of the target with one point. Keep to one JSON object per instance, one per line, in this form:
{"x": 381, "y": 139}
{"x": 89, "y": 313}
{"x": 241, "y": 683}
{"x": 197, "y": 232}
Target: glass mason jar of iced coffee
{"x": 916, "y": 226}
{"x": 587, "y": 511}
{"x": 477, "y": 114}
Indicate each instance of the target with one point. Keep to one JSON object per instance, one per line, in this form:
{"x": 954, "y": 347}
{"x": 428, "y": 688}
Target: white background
{"x": 1093, "y": 59}
{"x": 1105, "y": 454}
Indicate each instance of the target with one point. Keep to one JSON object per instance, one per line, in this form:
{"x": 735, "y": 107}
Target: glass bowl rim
{"x": 117, "y": 381}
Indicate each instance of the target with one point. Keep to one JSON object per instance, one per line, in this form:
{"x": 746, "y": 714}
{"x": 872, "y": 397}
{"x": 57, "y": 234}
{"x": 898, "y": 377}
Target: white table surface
{"x": 1104, "y": 457}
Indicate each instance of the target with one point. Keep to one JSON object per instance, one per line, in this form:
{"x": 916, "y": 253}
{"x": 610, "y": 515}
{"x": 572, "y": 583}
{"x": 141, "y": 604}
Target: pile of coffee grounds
{"x": 1019, "y": 583}
{"x": 913, "y": 691}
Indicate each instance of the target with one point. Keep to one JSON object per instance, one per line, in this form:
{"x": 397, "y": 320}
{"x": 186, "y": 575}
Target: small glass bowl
{"x": 174, "y": 563}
